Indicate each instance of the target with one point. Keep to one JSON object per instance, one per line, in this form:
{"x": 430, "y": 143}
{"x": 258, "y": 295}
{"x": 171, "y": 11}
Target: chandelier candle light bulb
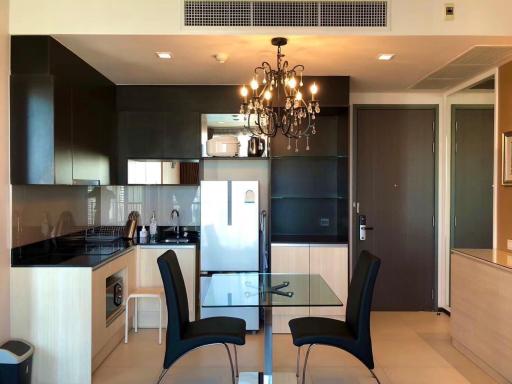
{"x": 254, "y": 84}
{"x": 313, "y": 89}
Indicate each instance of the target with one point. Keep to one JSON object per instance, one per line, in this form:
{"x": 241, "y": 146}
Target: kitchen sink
{"x": 174, "y": 240}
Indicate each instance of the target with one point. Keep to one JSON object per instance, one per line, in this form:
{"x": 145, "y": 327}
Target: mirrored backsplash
{"x": 43, "y": 212}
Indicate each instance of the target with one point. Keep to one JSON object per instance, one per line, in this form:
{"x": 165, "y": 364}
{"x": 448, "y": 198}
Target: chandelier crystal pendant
{"x": 276, "y": 103}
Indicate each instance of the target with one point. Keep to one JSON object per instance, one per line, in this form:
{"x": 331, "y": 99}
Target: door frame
{"x": 454, "y": 108}
{"x": 354, "y": 233}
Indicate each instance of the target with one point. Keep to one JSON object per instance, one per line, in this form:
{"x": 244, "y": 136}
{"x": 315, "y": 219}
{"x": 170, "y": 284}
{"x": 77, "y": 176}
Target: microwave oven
{"x": 114, "y": 296}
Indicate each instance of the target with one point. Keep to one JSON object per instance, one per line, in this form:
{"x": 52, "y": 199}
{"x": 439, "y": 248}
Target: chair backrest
{"x": 360, "y": 294}
{"x": 175, "y": 294}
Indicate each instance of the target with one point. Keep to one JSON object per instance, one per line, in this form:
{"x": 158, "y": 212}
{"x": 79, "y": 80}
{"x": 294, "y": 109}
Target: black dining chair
{"x": 352, "y": 335}
{"x": 184, "y": 335}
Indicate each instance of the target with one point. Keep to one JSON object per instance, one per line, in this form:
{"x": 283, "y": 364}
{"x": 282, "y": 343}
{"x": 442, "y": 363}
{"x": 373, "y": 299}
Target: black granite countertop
{"x": 75, "y": 251}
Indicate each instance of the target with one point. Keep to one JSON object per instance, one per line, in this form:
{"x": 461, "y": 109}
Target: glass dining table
{"x": 267, "y": 291}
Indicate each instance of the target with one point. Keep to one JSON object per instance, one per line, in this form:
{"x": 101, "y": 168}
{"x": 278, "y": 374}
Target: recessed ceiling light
{"x": 164, "y": 55}
{"x": 386, "y": 56}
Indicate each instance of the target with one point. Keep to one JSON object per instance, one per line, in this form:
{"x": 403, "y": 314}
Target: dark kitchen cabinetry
{"x": 62, "y": 116}
{"x": 164, "y": 121}
{"x": 309, "y": 189}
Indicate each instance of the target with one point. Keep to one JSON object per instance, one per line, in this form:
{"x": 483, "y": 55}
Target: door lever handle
{"x": 368, "y": 228}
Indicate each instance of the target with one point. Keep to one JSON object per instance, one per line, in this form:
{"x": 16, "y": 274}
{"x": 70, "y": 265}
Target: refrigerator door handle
{"x": 230, "y": 208}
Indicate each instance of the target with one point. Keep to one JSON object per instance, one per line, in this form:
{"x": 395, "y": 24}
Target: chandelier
{"x": 278, "y": 103}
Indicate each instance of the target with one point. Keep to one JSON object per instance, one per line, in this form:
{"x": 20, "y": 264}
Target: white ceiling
{"x": 128, "y": 59}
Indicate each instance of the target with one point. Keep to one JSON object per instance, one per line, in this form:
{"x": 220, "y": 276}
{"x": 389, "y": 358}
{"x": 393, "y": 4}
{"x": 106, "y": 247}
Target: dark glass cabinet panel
{"x": 309, "y": 189}
{"x": 305, "y": 216}
{"x": 304, "y": 177}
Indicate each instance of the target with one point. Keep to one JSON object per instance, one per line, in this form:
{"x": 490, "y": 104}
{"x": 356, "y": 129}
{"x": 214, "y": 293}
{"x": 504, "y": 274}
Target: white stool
{"x": 155, "y": 293}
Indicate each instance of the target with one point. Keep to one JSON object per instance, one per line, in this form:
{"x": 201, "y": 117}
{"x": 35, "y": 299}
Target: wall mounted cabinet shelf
{"x": 309, "y": 189}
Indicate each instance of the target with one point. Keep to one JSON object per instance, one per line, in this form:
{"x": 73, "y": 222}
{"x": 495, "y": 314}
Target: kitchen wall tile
{"x": 42, "y": 212}
{"x": 118, "y": 201}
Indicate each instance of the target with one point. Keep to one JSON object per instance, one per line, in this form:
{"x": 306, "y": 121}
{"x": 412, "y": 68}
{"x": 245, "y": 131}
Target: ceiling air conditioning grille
{"x": 267, "y": 13}
{"x": 354, "y": 13}
{"x": 218, "y": 13}
{"x": 285, "y": 14}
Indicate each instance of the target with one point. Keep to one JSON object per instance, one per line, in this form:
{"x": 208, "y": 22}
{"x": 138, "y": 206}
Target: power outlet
{"x": 449, "y": 11}
{"x": 509, "y": 245}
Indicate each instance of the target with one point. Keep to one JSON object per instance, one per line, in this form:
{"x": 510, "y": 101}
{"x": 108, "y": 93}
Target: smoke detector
{"x": 221, "y": 57}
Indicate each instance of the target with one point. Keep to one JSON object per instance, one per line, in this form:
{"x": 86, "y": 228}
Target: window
{"x": 167, "y": 172}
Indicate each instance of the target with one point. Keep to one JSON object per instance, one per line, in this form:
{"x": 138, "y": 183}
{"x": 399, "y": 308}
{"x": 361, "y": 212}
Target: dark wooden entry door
{"x": 472, "y": 176}
{"x": 395, "y": 190}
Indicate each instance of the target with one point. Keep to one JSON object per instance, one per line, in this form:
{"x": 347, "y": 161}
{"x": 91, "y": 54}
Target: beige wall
{"x": 504, "y": 125}
{"x": 4, "y": 171}
{"x": 418, "y": 17}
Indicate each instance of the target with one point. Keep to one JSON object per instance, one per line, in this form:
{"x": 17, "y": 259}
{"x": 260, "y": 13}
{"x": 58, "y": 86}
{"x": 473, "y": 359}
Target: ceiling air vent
{"x": 261, "y": 13}
{"x": 471, "y": 63}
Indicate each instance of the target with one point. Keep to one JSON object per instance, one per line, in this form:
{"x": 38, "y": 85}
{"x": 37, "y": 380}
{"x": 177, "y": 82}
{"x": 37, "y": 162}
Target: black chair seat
{"x": 183, "y": 335}
{"x": 352, "y": 335}
{"x": 320, "y": 330}
{"x": 216, "y": 330}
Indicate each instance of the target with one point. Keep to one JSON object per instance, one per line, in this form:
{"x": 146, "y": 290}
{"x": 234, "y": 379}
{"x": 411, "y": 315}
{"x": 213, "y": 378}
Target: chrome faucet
{"x": 175, "y": 218}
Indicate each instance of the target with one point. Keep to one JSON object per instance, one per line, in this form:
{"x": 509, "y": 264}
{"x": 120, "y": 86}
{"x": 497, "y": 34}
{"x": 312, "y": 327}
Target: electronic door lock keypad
{"x": 363, "y": 227}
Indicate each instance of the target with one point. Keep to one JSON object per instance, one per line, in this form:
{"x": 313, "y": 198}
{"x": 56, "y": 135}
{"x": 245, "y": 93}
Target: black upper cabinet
{"x": 62, "y": 116}
{"x": 164, "y": 122}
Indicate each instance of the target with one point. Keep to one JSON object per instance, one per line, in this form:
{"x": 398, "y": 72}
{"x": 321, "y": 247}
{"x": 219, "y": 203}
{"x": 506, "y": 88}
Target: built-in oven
{"x": 114, "y": 296}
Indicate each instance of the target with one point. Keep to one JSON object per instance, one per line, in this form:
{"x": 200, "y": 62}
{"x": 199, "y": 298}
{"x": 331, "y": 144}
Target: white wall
{"x": 416, "y": 17}
{"x": 5, "y": 212}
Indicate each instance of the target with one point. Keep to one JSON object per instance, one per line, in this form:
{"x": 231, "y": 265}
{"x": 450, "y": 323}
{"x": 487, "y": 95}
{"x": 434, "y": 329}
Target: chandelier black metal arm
{"x": 278, "y": 105}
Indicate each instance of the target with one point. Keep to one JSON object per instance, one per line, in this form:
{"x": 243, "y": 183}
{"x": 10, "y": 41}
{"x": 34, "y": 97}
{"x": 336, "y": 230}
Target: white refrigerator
{"x": 230, "y": 234}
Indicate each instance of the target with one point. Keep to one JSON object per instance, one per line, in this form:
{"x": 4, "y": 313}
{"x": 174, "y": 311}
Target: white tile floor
{"x": 409, "y": 348}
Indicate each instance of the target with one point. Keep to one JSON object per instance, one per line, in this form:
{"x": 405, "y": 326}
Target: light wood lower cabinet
{"x": 288, "y": 259}
{"x": 105, "y": 337}
{"x": 62, "y": 312}
{"x": 481, "y": 309}
{"x": 149, "y": 276}
{"x": 329, "y": 260}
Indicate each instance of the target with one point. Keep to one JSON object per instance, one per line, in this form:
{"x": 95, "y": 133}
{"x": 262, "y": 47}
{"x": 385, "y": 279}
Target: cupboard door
{"x": 149, "y": 277}
{"x": 288, "y": 258}
{"x": 187, "y": 260}
{"x": 331, "y": 262}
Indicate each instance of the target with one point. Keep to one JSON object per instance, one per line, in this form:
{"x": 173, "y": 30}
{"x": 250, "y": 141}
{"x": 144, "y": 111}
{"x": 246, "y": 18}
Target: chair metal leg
{"x": 135, "y": 316}
{"x": 298, "y": 363}
{"x": 305, "y": 364}
{"x": 231, "y": 364}
{"x": 162, "y": 374}
{"x": 374, "y": 376}
{"x": 237, "y": 373}
{"x": 126, "y": 310}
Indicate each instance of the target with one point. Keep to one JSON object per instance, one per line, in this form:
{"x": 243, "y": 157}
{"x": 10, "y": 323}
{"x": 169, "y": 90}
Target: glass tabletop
{"x": 269, "y": 290}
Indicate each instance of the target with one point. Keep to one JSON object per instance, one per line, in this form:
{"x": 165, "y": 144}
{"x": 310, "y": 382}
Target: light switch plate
{"x": 509, "y": 245}
{"x": 449, "y": 11}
